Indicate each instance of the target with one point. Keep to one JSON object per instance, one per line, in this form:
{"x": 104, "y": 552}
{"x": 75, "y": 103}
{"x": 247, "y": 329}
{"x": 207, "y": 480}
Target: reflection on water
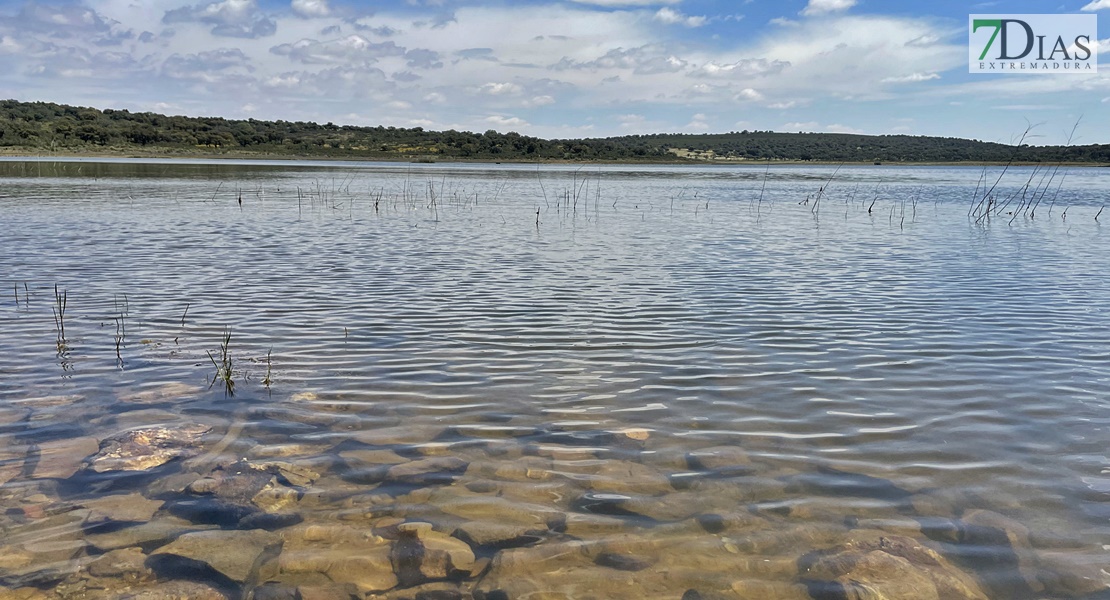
{"x": 672, "y": 382}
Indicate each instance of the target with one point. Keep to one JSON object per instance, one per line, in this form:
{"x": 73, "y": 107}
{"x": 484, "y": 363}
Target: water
{"x": 687, "y": 375}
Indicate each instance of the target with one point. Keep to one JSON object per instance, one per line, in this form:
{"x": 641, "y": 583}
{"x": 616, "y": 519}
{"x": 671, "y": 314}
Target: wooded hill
{"x": 42, "y": 127}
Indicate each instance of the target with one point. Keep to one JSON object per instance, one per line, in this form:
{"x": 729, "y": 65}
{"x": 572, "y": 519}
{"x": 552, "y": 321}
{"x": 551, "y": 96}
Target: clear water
{"x": 901, "y": 367}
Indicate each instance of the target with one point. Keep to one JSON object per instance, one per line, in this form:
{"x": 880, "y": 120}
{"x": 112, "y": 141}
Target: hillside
{"x": 41, "y": 127}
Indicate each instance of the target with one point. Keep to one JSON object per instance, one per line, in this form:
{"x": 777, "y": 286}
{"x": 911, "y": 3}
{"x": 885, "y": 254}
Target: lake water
{"x": 671, "y": 382}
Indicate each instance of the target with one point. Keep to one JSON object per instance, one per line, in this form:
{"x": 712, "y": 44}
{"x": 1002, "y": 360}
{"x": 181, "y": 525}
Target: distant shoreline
{"x": 8, "y": 153}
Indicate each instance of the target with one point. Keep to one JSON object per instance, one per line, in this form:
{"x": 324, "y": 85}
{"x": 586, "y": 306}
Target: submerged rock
{"x": 152, "y": 533}
{"x": 176, "y": 590}
{"x": 241, "y": 556}
{"x": 327, "y": 561}
{"x": 166, "y": 392}
{"x": 493, "y": 521}
{"x": 120, "y": 508}
{"x": 428, "y": 471}
{"x": 148, "y": 447}
{"x": 11, "y": 463}
{"x": 127, "y": 565}
{"x": 886, "y": 567}
{"x": 59, "y": 459}
{"x": 564, "y": 570}
{"x": 421, "y": 554}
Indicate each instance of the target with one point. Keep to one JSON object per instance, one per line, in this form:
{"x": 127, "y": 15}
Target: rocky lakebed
{"x": 484, "y": 509}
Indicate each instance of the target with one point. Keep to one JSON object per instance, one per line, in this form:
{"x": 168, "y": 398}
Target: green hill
{"x": 42, "y": 127}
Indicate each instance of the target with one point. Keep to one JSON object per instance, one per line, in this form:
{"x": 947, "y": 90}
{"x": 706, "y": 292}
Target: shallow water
{"x": 692, "y": 368}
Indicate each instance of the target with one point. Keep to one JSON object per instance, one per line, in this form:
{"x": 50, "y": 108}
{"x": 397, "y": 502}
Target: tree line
{"x": 41, "y": 127}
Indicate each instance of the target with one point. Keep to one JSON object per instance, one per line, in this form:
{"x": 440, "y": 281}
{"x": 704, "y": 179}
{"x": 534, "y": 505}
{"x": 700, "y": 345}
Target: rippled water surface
{"x": 671, "y": 382}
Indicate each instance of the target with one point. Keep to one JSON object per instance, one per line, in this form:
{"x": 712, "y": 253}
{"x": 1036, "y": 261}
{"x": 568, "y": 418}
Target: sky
{"x": 554, "y": 69}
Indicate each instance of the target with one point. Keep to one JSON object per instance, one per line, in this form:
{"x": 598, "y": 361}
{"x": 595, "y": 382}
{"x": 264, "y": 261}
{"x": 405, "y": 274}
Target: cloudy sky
{"x": 573, "y": 68}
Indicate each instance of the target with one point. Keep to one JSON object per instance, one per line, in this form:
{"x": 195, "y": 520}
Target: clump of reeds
{"x": 224, "y": 371}
{"x": 268, "y": 380}
{"x": 59, "y": 309}
{"x": 121, "y": 327}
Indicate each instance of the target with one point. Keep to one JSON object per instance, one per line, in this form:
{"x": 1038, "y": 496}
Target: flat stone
{"x": 132, "y": 507}
{"x": 176, "y": 590}
{"x": 562, "y": 570}
{"x": 273, "y": 590}
{"x": 638, "y": 434}
{"x": 436, "y": 590}
{"x": 372, "y": 456}
{"x": 421, "y": 554}
{"x": 148, "y": 447}
{"x": 26, "y": 593}
{"x": 581, "y": 525}
{"x": 622, "y": 562}
{"x": 10, "y": 414}
{"x": 128, "y": 564}
{"x": 11, "y": 463}
{"x": 401, "y": 435}
{"x": 779, "y": 590}
{"x": 626, "y": 477}
{"x": 51, "y": 550}
{"x": 883, "y": 567}
{"x": 335, "y": 591}
{"x": 1074, "y": 574}
{"x": 365, "y": 566}
{"x": 238, "y": 555}
{"x": 152, "y": 533}
{"x": 428, "y": 471}
{"x": 721, "y": 459}
{"x": 40, "y": 402}
{"x": 559, "y": 452}
{"x": 166, "y": 392}
{"x": 275, "y": 497}
{"x": 324, "y": 554}
{"x": 288, "y": 450}
{"x": 494, "y": 521}
{"x": 995, "y": 531}
{"x": 60, "y": 459}
{"x": 292, "y": 473}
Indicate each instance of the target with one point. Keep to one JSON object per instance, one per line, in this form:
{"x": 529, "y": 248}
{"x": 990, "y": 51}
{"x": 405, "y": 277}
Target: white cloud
{"x": 838, "y": 128}
{"x": 614, "y": 3}
{"x": 670, "y": 16}
{"x": 698, "y": 123}
{"x": 348, "y": 50}
{"x": 1097, "y": 5}
{"x": 1106, "y": 100}
{"x": 800, "y": 126}
{"x": 746, "y": 67}
{"x": 644, "y": 60}
{"x": 821, "y": 7}
{"x": 229, "y": 18}
{"x": 541, "y": 101}
{"x": 749, "y": 94}
{"x": 501, "y": 89}
{"x": 506, "y": 122}
{"x": 911, "y": 78}
{"x": 311, "y": 8}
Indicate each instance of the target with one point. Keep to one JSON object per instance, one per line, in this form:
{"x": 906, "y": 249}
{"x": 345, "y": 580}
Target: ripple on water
{"x": 633, "y": 399}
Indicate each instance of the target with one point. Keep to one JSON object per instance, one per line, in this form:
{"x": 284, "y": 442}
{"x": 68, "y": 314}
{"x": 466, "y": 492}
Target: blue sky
{"x": 576, "y": 68}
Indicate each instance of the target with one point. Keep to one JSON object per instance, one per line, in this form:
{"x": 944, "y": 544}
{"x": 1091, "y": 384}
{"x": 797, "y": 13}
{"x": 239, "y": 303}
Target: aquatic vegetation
{"x": 224, "y": 371}
{"x": 59, "y": 309}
